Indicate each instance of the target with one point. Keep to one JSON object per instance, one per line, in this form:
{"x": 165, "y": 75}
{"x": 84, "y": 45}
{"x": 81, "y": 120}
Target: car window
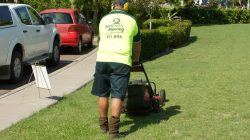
{"x": 77, "y": 16}
{"x": 23, "y": 15}
{"x": 5, "y": 16}
{"x": 59, "y": 18}
{"x": 36, "y": 19}
{"x": 83, "y": 19}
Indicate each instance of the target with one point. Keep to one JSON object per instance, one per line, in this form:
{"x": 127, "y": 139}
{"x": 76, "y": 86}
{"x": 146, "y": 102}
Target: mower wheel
{"x": 156, "y": 106}
{"x": 153, "y": 87}
{"x": 162, "y": 94}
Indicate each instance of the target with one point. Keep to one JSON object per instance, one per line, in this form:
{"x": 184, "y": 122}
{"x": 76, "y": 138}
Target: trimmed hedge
{"x": 164, "y": 35}
{"x": 215, "y": 16}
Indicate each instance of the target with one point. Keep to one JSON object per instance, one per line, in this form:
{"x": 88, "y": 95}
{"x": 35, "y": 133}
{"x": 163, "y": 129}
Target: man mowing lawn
{"x": 118, "y": 30}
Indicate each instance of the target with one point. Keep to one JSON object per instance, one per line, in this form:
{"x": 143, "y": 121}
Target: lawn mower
{"x": 141, "y": 96}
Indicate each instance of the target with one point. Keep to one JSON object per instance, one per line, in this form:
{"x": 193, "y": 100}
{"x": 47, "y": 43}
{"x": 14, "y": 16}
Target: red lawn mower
{"x": 141, "y": 96}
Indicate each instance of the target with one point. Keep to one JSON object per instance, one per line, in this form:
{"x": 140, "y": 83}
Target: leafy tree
{"x": 94, "y": 9}
{"x": 40, "y": 5}
{"x": 213, "y": 4}
{"x": 169, "y": 10}
{"x": 144, "y": 9}
{"x": 86, "y": 6}
{"x": 172, "y": 7}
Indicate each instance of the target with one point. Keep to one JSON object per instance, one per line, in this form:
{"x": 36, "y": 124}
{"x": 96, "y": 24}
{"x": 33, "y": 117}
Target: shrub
{"x": 204, "y": 15}
{"x": 164, "y": 35}
{"x": 151, "y": 42}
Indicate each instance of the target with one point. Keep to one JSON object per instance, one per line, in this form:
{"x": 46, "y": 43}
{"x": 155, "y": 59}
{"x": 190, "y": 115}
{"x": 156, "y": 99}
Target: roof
{"x": 59, "y": 10}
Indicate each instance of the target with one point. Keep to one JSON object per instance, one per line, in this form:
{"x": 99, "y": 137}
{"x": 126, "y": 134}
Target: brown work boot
{"x": 104, "y": 126}
{"x": 114, "y": 124}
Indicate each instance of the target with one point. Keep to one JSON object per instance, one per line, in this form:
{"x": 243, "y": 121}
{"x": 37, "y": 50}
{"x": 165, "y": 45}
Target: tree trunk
{"x": 95, "y": 16}
{"x": 110, "y": 2}
{"x": 150, "y": 23}
{"x": 169, "y": 15}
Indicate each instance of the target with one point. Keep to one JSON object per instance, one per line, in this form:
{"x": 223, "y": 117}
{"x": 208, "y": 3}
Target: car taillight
{"x": 72, "y": 28}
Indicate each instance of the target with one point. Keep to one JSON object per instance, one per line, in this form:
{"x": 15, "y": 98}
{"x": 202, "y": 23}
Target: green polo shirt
{"x": 118, "y": 30}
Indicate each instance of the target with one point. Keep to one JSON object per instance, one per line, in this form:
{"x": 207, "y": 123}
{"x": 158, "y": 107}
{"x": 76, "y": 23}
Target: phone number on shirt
{"x": 114, "y": 36}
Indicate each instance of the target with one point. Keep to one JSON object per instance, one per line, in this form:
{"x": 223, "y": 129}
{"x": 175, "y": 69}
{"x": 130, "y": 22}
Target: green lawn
{"x": 207, "y": 82}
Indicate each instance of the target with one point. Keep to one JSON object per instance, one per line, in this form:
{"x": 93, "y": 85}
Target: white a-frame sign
{"x": 41, "y": 77}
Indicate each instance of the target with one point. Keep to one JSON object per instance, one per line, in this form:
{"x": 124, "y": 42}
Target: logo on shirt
{"x": 115, "y": 26}
{"x": 116, "y": 21}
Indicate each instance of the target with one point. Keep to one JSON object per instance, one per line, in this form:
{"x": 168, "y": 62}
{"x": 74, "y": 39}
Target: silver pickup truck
{"x": 25, "y": 38}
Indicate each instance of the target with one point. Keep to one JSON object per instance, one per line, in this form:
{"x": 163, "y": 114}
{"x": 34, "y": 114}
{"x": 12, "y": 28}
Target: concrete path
{"x": 24, "y": 101}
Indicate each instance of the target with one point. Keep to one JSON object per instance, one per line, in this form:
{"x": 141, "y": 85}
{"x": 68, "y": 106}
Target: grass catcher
{"x": 141, "y": 96}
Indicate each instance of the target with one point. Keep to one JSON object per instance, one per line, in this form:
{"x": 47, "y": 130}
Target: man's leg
{"x": 103, "y": 113}
{"x": 114, "y": 123}
{"x": 103, "y": 106}
{"x": 119, "y": 82}
{"x": 116, "y": 106}
{"x": 101, "y": 88}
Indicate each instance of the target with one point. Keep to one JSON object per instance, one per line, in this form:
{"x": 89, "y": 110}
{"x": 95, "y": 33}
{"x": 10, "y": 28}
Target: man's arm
{"x": 136, "y": 51}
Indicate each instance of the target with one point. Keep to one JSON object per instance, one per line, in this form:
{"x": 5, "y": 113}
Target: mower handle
{"x": 136, "y": 63}
{"x": 138, "y": 67}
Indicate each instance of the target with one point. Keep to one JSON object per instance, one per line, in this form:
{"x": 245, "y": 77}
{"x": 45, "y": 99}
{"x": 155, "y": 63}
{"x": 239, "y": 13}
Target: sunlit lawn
{"x": 207, "y": 82}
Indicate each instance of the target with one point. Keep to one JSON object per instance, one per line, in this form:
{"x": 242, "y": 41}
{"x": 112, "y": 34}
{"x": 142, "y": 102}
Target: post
{"x": 151, "y": 6}
{"x": 248, "y": 4}
{"x": 226, "y": 4}
{"x": 150, "y": 20}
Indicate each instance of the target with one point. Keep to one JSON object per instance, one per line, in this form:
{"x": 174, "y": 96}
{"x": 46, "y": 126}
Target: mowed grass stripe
{"x": 207, "y": 82}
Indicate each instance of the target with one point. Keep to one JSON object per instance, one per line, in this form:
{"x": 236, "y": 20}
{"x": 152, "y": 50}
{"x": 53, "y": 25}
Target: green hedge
{"x": 215, "y": 16}
{"x": 164, "y": 35}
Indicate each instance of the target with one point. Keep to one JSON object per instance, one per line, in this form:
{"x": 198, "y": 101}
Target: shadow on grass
{"x": 191, "y": 40}
{"x": 140, "y": 121}
{"x": 57, "y": 98}
{"x": 211, "y": 24}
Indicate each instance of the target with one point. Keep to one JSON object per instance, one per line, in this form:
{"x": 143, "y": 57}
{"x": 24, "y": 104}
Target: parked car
{"x": 74, "y": 29}
{"x": 25, "y": 38}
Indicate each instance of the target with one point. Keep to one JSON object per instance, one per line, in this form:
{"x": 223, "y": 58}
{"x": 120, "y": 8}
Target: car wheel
{"x": 16, "y": 67}
{"x": 78, "y": 50}
{"x": 55, "y": 57}
{"x": 90, "y": 44}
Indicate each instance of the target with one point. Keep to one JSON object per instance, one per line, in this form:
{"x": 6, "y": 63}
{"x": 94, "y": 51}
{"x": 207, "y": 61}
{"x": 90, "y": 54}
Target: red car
{"x": 73, "y": 27}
